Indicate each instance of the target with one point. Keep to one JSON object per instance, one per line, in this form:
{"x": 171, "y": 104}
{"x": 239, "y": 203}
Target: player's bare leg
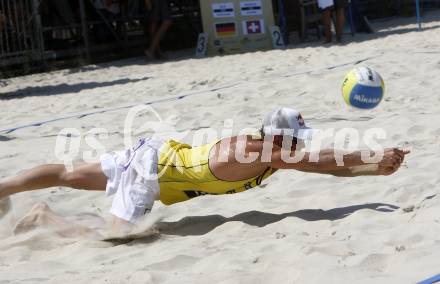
{"x": 86, "y": 176}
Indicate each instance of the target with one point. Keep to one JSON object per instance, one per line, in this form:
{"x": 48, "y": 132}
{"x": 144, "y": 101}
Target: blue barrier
{"x": 431, "y": 280}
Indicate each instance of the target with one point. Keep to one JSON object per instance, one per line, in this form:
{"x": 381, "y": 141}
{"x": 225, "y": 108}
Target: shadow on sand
{"x": 200, "y": 225}
{"x": 385, "y": 33}
{"x": 64, "y": 88}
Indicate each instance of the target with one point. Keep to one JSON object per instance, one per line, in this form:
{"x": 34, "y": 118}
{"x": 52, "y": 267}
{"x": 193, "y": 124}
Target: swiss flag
{"x": 253, "y": 27}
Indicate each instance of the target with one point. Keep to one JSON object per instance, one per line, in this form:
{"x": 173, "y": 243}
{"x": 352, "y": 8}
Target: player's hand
{"x": 391, "y": 161}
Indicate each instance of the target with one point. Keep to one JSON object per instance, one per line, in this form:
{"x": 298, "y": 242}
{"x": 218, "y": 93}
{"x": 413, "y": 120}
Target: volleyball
{"x": 363, "y": 88}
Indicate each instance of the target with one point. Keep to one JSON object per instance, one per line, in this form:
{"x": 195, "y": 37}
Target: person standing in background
{"x": 107, "y": 10}
{"x": 327, "y": 7}
{"x": 160, "y": 22}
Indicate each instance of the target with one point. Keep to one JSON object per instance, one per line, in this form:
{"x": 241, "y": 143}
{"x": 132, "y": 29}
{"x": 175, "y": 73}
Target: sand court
{"x": 297, "y": 228}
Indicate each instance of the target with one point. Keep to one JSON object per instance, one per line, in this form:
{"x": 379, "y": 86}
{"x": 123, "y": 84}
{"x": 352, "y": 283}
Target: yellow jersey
{"x": 184, "y": 173}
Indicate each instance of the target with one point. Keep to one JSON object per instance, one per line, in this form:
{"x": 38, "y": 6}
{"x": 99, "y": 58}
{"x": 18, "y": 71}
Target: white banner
{"x": 223, "y": 10}
{"x": 251, "y": 8}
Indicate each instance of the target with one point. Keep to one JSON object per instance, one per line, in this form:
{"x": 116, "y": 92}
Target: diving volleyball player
{"x": 173, "y": 172}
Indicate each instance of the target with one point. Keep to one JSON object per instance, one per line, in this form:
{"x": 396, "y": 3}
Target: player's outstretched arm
{"x": 324, "y": 161}
{"x": 350, "y": 165}
{"x": 391, "y": 161}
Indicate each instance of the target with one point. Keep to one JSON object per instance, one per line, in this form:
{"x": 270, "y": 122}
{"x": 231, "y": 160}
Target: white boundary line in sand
{"x": 173, "y": 98}
{"x": 84, "y": 114}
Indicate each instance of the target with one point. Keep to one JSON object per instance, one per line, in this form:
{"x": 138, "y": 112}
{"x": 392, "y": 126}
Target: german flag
{"x": 225, "y": 29}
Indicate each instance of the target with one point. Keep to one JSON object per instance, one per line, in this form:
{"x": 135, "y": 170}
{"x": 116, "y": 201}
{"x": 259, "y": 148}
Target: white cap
{"x": 287, "y": 121}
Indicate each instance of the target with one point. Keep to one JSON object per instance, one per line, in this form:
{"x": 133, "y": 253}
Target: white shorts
{"x": 132, "y": 178}
{"x": 325, "y": 3}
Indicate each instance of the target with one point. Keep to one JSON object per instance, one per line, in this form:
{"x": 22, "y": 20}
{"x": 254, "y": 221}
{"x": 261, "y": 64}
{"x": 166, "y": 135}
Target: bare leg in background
{"x": 340, "y": 22}
{"x": 327, "y": 21}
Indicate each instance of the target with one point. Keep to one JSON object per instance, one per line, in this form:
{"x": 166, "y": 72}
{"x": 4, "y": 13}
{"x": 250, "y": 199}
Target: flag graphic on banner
{"x": 253, "y": 27}
{"x": 225, "y": 29}
{"x": 251, "y": 8}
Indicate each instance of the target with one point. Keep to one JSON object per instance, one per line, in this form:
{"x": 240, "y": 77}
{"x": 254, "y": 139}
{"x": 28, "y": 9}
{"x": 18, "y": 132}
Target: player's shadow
{"x": 200, "y": 225}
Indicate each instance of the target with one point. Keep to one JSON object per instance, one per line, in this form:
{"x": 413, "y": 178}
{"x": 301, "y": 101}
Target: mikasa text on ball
{"x": 363, "y": 88}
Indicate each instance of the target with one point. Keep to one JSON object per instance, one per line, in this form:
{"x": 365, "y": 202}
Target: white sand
{"x": 301, "y": 228}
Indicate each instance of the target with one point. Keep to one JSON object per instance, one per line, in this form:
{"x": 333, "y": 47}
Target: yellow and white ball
{"x": 363, "y": 88}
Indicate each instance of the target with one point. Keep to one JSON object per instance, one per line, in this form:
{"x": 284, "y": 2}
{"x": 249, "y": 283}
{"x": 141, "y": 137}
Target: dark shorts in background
{"x": 160, "y": 11}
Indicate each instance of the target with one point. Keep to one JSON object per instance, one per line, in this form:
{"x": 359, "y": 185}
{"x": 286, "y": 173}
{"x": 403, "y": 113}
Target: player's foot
{"x": 40, "y": 215}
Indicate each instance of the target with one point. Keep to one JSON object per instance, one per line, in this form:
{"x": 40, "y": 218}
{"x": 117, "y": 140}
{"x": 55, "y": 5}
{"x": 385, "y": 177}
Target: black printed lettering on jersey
{"x": 248, "y": 185}
{"x": 196, "y": 193}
